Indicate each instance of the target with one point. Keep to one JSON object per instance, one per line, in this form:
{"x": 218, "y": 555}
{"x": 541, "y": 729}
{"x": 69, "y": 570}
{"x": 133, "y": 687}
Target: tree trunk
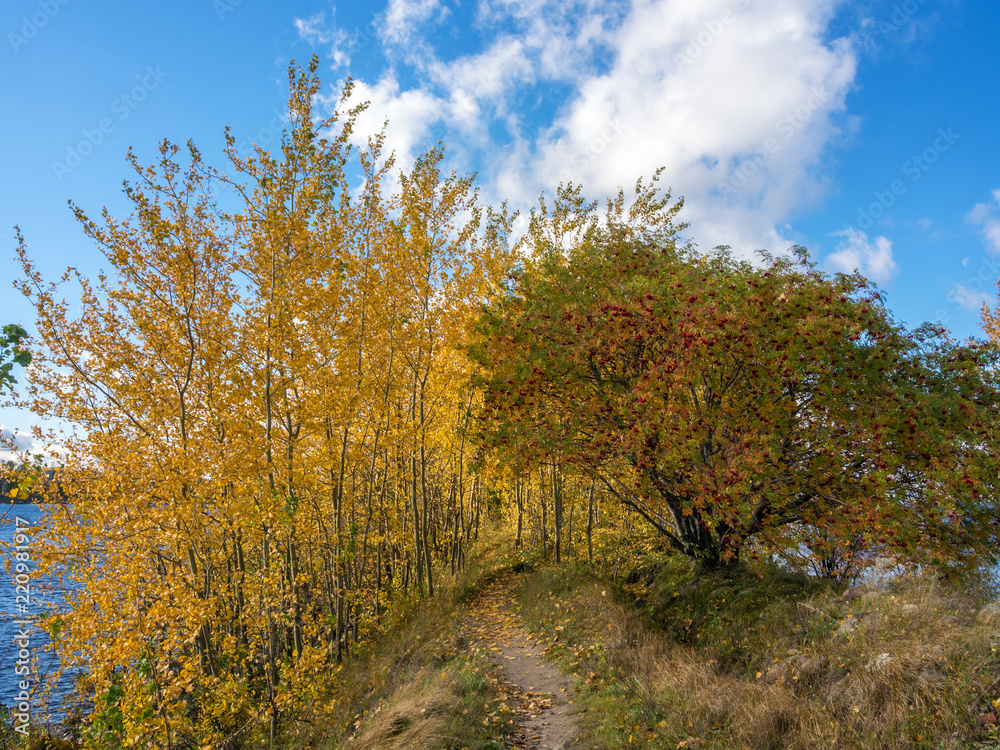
{"x": 418, "y": 544}
{"x": 590, "y": 524}
{"x": 423, "y": 491}
{"x": 519, "y": 499}
{"x": 557, "y": 513}
{"x": 544, "y": 509}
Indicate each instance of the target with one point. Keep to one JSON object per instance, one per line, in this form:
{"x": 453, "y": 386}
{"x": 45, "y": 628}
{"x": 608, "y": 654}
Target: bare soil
{"x": 542, "y": 697}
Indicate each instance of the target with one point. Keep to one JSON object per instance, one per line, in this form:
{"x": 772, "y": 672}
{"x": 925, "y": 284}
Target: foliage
{"x": 267, "y": 387}
{"x": 732, "y": 404}
{"x": 30, "y": 480}
{"x": 12, "y": 353}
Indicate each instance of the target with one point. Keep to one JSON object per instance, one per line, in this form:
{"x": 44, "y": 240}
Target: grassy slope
{"x": 674, "y": 660}
{"x": 422, "y": 686}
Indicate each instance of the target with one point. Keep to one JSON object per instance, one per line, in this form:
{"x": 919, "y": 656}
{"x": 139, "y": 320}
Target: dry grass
{"x": 418, "y": 715}
{"x": 910, "y": 669}
{"x": 418, "y": 686}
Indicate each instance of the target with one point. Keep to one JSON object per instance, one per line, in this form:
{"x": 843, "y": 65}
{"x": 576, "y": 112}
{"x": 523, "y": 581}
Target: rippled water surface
{"x": 42, "y": 591}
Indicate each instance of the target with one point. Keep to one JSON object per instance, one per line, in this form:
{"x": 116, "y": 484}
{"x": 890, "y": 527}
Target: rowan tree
{"x": 726, "y": 401}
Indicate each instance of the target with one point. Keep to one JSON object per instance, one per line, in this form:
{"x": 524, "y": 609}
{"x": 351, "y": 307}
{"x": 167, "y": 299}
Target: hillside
{"x": 669, "y": 659}
{"x": 774, "y": 662}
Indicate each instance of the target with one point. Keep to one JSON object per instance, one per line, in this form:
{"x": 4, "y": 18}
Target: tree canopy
{"x": 732, "y": 403}
{"x": 267, "y": 396}
{"x": 12, "y": 353}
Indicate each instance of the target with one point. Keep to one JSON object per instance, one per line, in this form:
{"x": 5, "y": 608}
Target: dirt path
{"x": 540, "y": 694}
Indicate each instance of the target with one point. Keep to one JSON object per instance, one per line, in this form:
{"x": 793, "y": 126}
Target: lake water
{"x": 17, "y": 616}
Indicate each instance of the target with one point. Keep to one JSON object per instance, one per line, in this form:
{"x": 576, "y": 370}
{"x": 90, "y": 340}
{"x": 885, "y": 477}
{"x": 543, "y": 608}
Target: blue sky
{"x": 866, "y": 131}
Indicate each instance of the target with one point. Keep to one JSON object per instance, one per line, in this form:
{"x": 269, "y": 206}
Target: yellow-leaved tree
{"x": 270, "y": 389}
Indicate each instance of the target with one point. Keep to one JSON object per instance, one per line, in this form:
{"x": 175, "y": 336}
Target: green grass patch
{"x": 673, "y": 659}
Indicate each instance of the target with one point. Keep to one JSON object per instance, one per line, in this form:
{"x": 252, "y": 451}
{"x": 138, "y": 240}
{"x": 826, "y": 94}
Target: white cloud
{"x": 489, "y": 74}
{"x": 15, "y": 445}
{"x": 411, "y": 115}
{"x": 739, "y": 101}
{"x": 316, "y": 31}
{"x": 856, "y": 252}
{"x": 404, "y": 17}
{"x": 313, "y": 29}
{"x": 17, "y": 441}
{"x": 969, "y": 299}
{"x": 985, "y": 215}
{"x": 738, "y": 104}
